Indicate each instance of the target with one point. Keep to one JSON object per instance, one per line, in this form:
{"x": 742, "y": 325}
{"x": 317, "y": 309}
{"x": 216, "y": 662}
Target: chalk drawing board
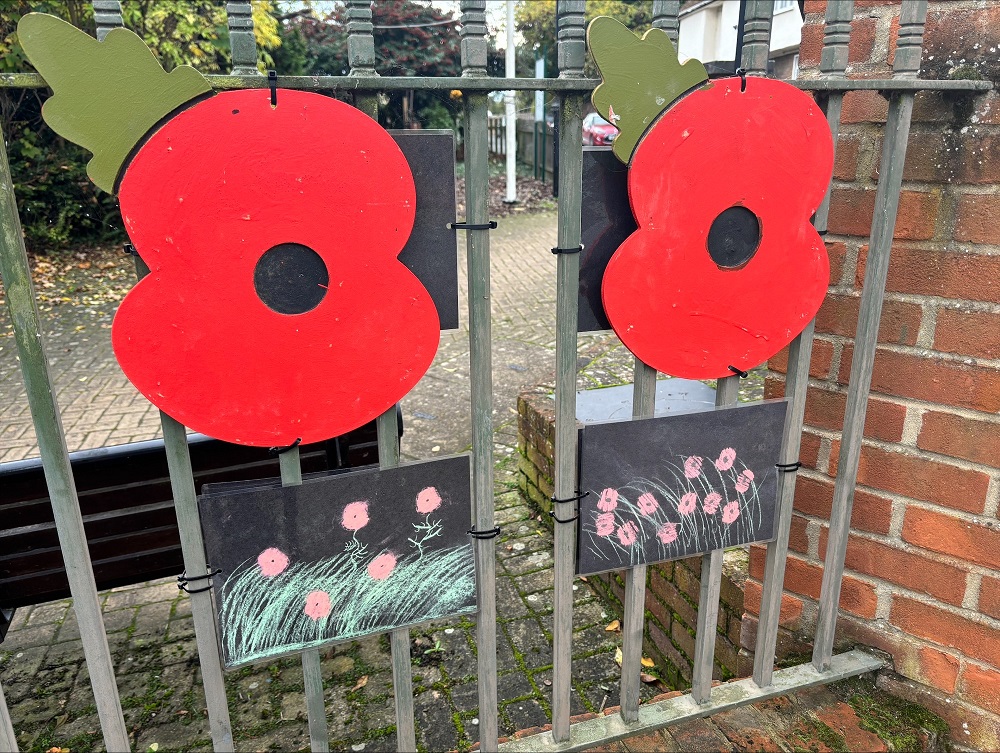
{"x": 339, "y": 557}
{"x": 431, "y": 252}
{"x": 669, "y": 487}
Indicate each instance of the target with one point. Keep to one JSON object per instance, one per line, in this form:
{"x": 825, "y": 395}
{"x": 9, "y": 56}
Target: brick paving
{"x": 150, "y": 628}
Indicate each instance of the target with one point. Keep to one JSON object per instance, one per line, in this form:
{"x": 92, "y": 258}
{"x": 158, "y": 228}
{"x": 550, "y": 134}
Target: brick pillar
{"x": 922, "y": 580}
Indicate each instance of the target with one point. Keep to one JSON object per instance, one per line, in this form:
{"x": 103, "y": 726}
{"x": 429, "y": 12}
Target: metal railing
{"x": 571, "y": 87}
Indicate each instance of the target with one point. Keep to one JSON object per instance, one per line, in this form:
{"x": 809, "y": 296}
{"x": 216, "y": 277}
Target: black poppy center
{"x": 291, "y": 278}
{"x": 734, "y": 237}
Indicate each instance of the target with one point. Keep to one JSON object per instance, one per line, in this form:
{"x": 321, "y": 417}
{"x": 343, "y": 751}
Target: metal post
{"x": 832, "y": 63}
{"x": 726, "y": 393}
{"x": 243, "y": 46}
{"x": 571, "y": 50}
{"x": 8, "y": 740}
{"x": 474, "y": 47}
{"x": 107, "y": 16}
{"x": 897, "y": 129}
{"x": 634, "y": 605}
{"x": 312, "y": 673}
{"x": 510, "y": 111}
{"x": 55, "y": 462}
{"x": 665, "y": 16}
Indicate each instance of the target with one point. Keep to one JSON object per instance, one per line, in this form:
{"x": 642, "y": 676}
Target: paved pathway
{"x": 150, "y": 628}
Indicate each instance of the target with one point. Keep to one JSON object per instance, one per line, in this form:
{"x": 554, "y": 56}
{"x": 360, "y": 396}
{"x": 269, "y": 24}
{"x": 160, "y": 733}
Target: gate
{"x": 571, "y": 87}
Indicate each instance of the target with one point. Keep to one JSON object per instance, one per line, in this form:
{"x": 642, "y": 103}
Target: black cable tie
{"x": 742, "y": 73}
{"x": 552, "y": 514}
{"x": 573, "y": 250}
{"x": 490, "y": 534}
{"x": 788, "y": 467}
{"x": 491, "y": 225}
{"x": 272, "y": 82}
{"x": 183, "y": 580}
{"x": 571, "y": 499}
{"x": 739, "y": 372}
{"x": 821, "y": 232}
{"x": 282, "y": 450}
{"x": 129, "y": 249}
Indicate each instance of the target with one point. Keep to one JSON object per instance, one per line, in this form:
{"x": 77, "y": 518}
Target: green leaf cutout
{"x": 108, "y": 94}
{"x": 640, "y": 79}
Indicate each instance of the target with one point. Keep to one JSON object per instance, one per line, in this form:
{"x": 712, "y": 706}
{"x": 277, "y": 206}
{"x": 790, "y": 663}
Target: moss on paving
{"x": 903, "y": 725}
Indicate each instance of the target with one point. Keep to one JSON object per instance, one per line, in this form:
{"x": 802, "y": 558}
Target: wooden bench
{"x": 128, "y": 510}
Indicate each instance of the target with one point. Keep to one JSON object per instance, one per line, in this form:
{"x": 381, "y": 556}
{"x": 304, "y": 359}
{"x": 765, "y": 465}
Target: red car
{"x": 597, "y": 131}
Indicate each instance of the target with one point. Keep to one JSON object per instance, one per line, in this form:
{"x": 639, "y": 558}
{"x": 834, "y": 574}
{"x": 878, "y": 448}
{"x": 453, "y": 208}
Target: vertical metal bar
{"x": 833, "y": 62}
{"x": 897, "y": 129}
{"x": 312, "y": 674}
{"x": 726, "y": 393}
{"x": 399, "y": 639}
{"x": 757, "y": 36}
{"x": 16, "y": 275}
{"x": 107, "y": 16}
{"x": 634, "y": 605}
{"x": 361, "y": 57}
{"x": 8, "y": 740}
{"x": 193, "y": 552}
{"x": 473, "y": 47}
{"x": 571, "y": 51}
{"x": 665, "y": 16}
{"x": 239, "y": 19}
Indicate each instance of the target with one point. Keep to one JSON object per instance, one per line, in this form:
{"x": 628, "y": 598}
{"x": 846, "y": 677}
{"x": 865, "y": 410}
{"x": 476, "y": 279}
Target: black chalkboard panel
{"x": 606, "y": 222}
{"x": 339, "y": 557}
{"x": 673, "y": 486}
{"x": 431, "y": 252}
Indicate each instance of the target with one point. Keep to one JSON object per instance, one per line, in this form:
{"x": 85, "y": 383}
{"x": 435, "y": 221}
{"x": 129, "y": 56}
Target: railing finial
{"x": 757, "y": 36}
{"x": 836, "y": 38}
{"x": 360, "y": 40}
{"x": 665, "y": 16}
{"x": 572, "y": 36}
{"x": 107, "y": 16}
{"x": 239, "y": 16}
{"x": 473, "y": 37}
{"x": 909, "y": 43}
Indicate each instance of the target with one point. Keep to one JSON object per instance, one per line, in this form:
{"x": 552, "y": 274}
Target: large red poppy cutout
{"x": 275, "y": 308}
{"x": 725, "y": 268}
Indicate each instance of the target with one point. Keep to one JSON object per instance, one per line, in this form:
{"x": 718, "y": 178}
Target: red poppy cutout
{"x": 276, "y": 308}
{"x": 725, "y": 268}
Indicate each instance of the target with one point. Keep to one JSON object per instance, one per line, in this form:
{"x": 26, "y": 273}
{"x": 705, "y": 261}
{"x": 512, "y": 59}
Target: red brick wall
{"x": 922, "y": 580}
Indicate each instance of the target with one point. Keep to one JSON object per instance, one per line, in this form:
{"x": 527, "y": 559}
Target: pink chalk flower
{"x": 272, "y": 562}
{"x": 743, "y": 481}
{"x": 605, "y": 524}
{"x": 711, "y": 502}
{"x": 428, "y": 500}
{"x": 667, "y": 533}
{"x": 687, "y": 504}
{"x": 692, "y": 467}
{"x": 608, "y": 501}
{"x": 382, "y": 566}
{"x": 648, "y": 504}
{"x": 627, "y": 533}
{"x": 317, "y": 605}
{"x": 726, "y": 459}
{"x": 730, "y": 512}
{"x": 355, "y": 516}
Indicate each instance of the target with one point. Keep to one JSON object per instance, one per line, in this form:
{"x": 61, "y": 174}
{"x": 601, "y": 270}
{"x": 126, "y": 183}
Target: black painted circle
{"x": 734, "y": 237}
{"x": 291, "y": 278}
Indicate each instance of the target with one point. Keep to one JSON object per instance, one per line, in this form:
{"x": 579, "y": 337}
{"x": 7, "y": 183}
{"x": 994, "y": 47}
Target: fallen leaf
{"x": 84, "y": 265}
{"x": 618, "y": 656}
{"x": 613, "y": 626}
{"x": 584, "y": 579}
{"x": 647, "y": 662}
{"x": 360, "y": 683}
{"x": 647, "y": 678}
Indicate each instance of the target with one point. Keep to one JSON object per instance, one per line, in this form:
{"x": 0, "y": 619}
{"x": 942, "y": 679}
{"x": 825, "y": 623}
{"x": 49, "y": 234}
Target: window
{"x": 782, "y": 5}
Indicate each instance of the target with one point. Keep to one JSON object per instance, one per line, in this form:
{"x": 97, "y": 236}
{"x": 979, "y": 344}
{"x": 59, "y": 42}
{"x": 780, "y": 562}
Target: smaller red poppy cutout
{"x": 725, "y": 268}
